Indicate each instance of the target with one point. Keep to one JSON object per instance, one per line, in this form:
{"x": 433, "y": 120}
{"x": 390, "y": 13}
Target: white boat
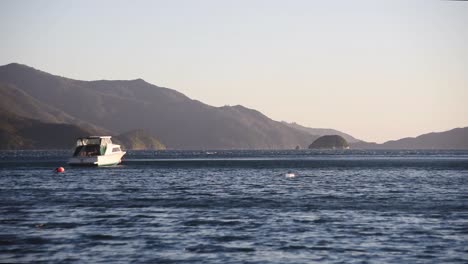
{"x": 96, "y": 151}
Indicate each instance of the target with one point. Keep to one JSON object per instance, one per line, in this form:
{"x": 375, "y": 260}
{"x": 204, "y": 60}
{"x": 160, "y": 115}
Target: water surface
{"x": 237, "y": 207}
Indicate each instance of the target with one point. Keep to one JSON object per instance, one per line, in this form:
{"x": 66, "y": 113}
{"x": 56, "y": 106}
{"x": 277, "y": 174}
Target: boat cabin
{"x": 94, "y": 146}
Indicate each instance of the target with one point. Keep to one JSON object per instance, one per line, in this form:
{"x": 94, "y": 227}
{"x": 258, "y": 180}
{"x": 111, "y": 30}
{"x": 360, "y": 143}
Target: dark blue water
{"x": 237, "y": 207}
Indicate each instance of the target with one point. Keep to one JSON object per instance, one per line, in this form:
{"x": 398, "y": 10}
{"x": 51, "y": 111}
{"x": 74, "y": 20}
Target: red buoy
{"x": 59, "y": 170}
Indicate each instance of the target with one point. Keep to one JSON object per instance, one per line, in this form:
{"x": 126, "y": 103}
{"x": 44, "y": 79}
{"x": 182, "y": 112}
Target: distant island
{"x": 45, "y": 111}
{"x": 323, "y": 132}
{"x": 329, "y": 142}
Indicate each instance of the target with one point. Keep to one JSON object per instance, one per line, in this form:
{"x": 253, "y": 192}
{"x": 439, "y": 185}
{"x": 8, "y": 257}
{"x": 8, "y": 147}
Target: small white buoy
{"x": 290, "y": 175}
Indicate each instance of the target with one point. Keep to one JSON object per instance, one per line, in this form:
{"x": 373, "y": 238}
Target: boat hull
{"x": 102, "y": 160}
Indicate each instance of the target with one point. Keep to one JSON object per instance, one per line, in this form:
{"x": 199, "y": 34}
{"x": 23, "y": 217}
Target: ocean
{"x": 236, "y": 207}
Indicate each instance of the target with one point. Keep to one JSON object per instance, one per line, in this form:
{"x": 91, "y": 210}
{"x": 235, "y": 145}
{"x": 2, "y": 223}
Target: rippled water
{"x": 237, "y": 207}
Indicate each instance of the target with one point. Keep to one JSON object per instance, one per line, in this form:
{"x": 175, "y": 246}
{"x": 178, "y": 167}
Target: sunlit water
{"x": 237, "y": 207}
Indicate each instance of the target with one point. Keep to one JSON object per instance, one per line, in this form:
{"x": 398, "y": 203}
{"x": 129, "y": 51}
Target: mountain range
{"x": 116, "y": 107}
{"x": 148, "y": 116}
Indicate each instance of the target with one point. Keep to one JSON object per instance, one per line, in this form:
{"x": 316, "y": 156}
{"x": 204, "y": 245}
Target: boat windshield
{"x": 88, "y": 141}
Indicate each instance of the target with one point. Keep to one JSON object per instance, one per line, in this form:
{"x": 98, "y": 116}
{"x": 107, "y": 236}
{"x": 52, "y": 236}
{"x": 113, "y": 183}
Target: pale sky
{"x": 378, "y": 70}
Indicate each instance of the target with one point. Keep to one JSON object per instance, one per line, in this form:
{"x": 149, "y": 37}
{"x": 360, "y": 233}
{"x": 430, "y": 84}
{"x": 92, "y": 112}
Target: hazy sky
{"x": 378, "y": 70}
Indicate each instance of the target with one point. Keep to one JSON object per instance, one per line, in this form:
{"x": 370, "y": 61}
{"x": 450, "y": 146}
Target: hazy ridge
{"x": 456, "y": 138}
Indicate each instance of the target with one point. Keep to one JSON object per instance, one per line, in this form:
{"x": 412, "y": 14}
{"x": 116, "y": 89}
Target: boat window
{"x": 116, "y": 149}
